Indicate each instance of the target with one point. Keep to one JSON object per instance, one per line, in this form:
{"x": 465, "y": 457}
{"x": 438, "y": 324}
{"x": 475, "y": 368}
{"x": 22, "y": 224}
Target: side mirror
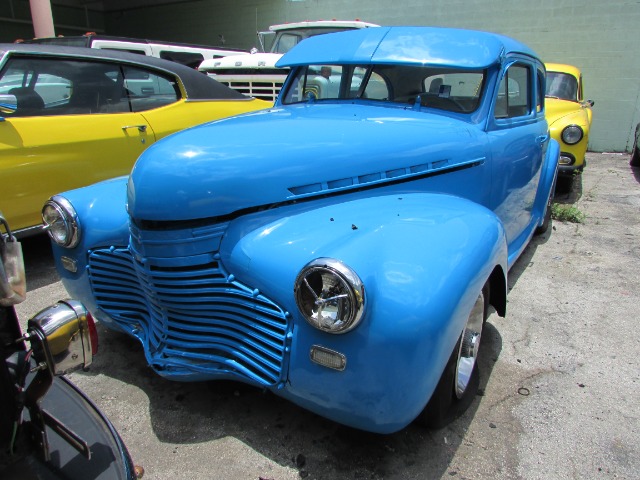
{"x": 8, "y": 104}
{"x": 590, "y": 103}
{"x": 67, "y": 336}
{"x": 13, "y": 283}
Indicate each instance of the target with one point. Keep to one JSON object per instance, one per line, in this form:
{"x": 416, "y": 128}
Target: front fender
{"x": 423, "y": 259}
{"x": 103, "y": 220}
{"x": 547, "y": 185}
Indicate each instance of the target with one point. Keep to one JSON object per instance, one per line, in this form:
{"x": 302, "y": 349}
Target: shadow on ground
{"x": 38, "y": 262}
{"x": 187, "y": 413}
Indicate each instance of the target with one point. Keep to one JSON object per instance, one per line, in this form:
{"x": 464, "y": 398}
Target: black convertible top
{"x": 197, "y": 85}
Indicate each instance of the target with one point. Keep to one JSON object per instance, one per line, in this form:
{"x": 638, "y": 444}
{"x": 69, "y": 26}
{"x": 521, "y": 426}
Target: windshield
{"x": 452, "y": 90}
{"x": 562, "y": 86}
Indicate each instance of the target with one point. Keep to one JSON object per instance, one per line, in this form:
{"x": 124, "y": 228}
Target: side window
{"x": 96, "y": 88}
{"x": 130, "y": 50}
{"x": 286, "y": 42}
{"x": 514, "y": 93}
{"x": 147, "y": 90}
{"x": 33, "y": 90}
{"x": 323, "y": 81}
{"x": 540, "y": 92}
{"x": 580, "y": 92}
{"x": 377, "y": 88}
{"x": 45, "y": 86}
{"x": 190, "y": 59}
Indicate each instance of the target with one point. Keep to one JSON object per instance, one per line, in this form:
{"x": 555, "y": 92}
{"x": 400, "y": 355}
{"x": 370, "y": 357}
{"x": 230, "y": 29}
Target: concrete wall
{"x": 599, "y": 37}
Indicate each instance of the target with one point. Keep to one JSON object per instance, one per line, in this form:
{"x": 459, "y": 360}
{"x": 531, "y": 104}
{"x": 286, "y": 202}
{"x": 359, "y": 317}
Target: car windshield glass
{"x": 452, "y": 90}
{"x": 562, "y": 85}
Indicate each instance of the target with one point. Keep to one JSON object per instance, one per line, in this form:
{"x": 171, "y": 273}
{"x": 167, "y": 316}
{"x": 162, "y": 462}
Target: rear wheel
{"x": 460, "y": 380}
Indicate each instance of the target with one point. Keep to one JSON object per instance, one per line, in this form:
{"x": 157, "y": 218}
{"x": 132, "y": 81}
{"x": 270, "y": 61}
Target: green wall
{"x": 599, "y": 37}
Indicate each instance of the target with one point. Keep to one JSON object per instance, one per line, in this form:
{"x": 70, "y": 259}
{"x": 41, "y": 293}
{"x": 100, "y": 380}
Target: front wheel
{"x": 547, "y": 216}
{"x": 460, "y": 380}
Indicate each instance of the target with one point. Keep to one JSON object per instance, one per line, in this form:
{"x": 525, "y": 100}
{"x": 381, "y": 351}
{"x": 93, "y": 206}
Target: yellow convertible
{"x": 70, "y": 117}
{"x": 569, "y": 116}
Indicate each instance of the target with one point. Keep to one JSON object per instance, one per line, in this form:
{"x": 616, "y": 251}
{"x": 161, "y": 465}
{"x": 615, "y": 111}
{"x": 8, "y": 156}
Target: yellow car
{"x": 569, "y": 116}
{"x": 71, "y": 117}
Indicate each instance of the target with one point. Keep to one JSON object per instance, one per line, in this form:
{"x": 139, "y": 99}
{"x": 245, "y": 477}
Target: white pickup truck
{"x": 256, "y": 75}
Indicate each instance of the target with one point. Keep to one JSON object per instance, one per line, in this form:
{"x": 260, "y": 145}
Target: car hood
{"x": 290, "y": 153}
{"x": 555, "y": 109}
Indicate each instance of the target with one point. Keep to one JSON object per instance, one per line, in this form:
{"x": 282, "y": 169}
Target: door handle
{"x": 542, "y": 138}
{"x": 141, "y": 128}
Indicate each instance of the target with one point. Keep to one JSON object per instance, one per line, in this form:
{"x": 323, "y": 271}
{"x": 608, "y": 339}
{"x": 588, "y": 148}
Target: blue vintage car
{"x": 340, "y": 249}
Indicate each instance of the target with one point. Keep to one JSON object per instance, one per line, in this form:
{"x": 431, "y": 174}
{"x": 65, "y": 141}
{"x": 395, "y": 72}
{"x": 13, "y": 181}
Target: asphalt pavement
{"x": 560, "y": 376}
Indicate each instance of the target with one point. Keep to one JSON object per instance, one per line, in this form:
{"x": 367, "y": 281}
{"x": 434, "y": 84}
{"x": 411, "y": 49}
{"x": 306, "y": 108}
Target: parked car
{"x": 256, "y": 75}
{"x": 70, "y": 117}
{"x": 569, "y": 116}
{"x": 49, "y": 429}
{"x": 635, "y": 151}
{"x": 347, "y": 256}
{"x": 187, "y": 54}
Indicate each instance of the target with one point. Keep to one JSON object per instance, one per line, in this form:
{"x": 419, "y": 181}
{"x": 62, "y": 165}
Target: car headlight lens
{"x": 61, "y": 222}
{"x": 330, "y": 295}
{"x": 572, "y": 134}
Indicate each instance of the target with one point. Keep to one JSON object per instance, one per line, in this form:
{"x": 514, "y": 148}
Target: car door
{"x": 73, "y": 126}
{"x": 519, "y": 137}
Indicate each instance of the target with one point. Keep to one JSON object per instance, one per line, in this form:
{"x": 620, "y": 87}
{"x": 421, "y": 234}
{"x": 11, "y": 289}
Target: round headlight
{"x": 330, "y": 295}
{"x": 572, "y": 134}
{"x": 61, "y": 222}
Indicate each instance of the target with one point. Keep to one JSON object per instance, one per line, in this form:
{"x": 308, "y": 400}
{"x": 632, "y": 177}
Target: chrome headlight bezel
{"x": 572, "y": 134}
{"x": 61, "y": 222}
{"x": 330, "y": 295}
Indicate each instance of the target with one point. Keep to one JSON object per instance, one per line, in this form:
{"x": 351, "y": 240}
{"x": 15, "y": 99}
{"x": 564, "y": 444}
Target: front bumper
{"x": 568, "y": 165}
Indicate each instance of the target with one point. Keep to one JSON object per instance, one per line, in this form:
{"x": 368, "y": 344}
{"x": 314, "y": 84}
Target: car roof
{"x": 197, "y": 85}
{"x": 446, "y": 47}
{"x": 87, "y": 37}
{"x": 322, "y": 24}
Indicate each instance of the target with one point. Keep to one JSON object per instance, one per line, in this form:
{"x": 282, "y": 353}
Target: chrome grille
{"x": 192, "y": 315}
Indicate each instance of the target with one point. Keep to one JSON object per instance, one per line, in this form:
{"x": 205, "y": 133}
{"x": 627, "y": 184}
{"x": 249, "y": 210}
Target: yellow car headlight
{"x": 572, "y": 134}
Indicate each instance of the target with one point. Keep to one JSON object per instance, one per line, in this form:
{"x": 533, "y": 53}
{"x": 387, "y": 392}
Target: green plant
{"x": 566, "y": 213}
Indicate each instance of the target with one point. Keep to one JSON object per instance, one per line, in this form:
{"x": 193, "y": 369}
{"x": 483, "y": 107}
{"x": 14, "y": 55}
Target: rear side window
{"x": 147, "y": 90}
{"x": 190, "y": 59}
{"x": 540, "y": 91}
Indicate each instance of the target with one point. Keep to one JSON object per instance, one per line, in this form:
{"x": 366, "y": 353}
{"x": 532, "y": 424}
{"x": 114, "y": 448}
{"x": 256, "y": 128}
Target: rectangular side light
{"x": 328, "y": 358}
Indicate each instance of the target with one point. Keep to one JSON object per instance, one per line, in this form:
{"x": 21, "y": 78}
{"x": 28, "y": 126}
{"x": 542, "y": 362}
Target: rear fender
{"x": 423, "y": 259}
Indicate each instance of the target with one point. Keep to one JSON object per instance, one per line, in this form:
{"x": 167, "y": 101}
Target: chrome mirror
{"x": 67, "y": 334}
